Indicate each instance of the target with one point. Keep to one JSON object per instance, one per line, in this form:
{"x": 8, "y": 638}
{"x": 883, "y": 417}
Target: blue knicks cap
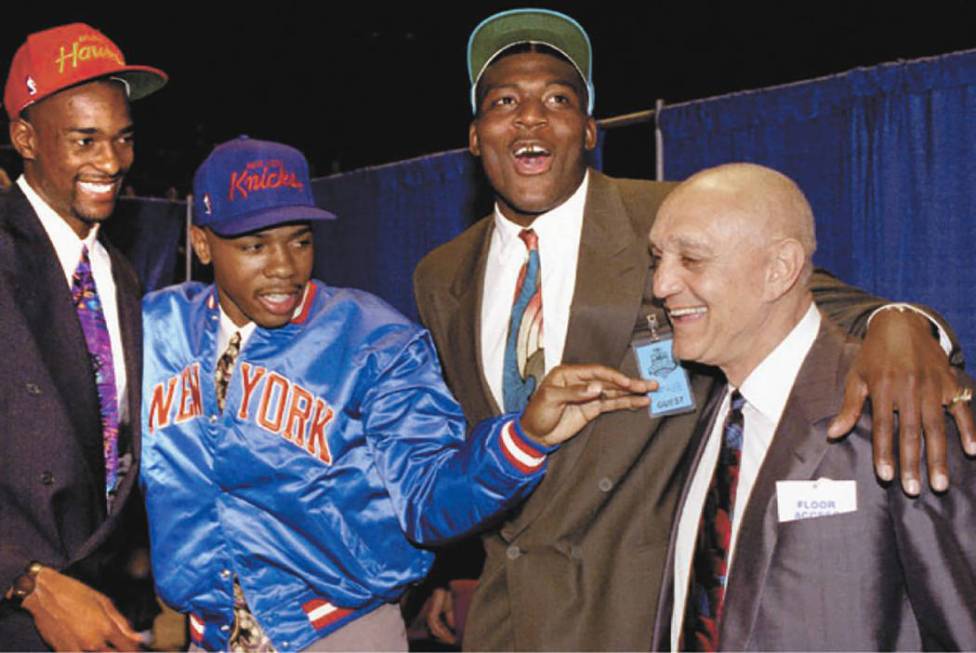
{"x": 247, "y": 184}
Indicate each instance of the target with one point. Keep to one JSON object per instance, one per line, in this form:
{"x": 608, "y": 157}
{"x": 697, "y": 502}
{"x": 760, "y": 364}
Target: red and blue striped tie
{"x": 706, "y": 589}
{"x": 525, "y": 360}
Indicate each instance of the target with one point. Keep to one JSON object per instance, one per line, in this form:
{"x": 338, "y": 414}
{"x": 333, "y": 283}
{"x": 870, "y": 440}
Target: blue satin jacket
{"x": 340, "y": 451}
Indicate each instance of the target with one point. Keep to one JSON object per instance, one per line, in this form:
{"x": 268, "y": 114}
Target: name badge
{"x": 656, "y": 362}
{"x": 820, "y": 498}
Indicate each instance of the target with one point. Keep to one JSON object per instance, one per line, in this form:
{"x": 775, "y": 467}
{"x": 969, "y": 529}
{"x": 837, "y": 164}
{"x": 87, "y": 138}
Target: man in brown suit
{"x": 580, "y": 565}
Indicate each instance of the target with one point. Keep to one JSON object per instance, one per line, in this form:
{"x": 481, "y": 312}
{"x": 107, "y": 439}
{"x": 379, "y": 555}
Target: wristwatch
{"x": 24, "y": 584}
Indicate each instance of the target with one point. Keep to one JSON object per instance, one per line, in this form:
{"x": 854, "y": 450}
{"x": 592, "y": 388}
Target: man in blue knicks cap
{"x": 300, "y": 444}
{"x": 579, "y": 566}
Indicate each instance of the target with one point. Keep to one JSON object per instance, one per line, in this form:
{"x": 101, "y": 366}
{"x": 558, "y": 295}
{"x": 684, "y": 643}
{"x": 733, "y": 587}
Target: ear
{"x": 23, "y": 138}
{"x": 473, "y": 146}
{"x": 784, "y": 267}
{"x": 201, "y": 245}
{"x": 590, "y": 134}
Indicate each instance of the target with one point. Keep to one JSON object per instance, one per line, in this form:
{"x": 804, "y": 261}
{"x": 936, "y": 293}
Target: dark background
{"x": 357, "y": 84}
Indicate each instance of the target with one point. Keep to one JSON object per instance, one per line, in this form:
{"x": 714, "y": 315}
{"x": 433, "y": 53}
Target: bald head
{"x": 770, "y": 205}
{"x": 733, "y": 248}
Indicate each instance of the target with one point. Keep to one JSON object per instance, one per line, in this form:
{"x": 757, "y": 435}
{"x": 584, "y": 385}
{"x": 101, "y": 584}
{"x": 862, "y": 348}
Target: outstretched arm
{"x": 901, "y": 368}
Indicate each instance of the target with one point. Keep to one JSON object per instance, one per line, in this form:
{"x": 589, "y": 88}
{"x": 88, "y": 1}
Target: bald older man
{"x": 785, "y": 541}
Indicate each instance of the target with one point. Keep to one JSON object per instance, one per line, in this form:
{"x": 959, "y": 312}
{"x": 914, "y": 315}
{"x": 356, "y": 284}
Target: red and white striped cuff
{"x": 196, "y": 628}
{"x": 524, "y": 455}
{"x": 321, "y": 613}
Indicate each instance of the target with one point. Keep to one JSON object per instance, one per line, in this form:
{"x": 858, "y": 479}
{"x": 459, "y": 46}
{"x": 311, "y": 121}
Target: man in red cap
{"x": 70, "y": 322}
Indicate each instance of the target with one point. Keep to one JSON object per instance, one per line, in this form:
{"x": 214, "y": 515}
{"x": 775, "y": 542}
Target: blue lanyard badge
{"x": 656, "y": 362}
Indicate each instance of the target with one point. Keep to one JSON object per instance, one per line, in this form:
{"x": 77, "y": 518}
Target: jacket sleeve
{"x": 442, "y": 485}
{"x": 937, "y": 550}
{"x": 850, "y": 308}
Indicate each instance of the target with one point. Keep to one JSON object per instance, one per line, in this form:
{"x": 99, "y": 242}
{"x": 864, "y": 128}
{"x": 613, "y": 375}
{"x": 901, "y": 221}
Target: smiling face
{"x": 711, "y": 264}
{"x": 260, "y": 276}
{"x": 532, "y": 133}
{"x": 77, "y": 146}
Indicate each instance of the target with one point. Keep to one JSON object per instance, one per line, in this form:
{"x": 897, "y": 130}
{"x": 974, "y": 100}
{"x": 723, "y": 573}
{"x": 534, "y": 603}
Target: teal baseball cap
{"x": 556, "y": 30}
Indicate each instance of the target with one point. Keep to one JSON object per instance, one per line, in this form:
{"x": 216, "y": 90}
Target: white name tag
{"x": 808, "y": 499}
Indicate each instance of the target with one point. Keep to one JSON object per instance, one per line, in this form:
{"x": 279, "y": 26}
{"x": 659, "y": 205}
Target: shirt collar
{"x": 550, "y": 224}
{"x": 228, "y": 328}
{"x": 67, "y": 244}
{"x": 769, "y": 385}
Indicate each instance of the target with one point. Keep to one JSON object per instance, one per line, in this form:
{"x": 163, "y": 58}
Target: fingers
{"x": 566, "y": 375}
{"x": 962, "y": 412}
{"x": 855, "y": 392}
{"x": 934, "y": 432}
{"x": 882, "y": 436}
{"x": 441, "y": 607}
{"x": 120, "y": 634}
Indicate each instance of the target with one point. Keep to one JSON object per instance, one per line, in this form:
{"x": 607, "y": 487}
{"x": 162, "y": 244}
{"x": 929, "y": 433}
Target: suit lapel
{"x": 465, "y": 325}
{"x": 610, "y": 282}
{"x": 798, "y": 447}
{"x": 662, "y": 622}
{"x": 42, "y": 295}
{"x": 130, "y": 325}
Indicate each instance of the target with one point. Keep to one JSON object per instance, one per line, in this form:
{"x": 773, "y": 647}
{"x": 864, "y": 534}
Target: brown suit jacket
{"x": 897, "y": 574}
{"x": 52, "y": 469}
{"x": 579, "y": 566}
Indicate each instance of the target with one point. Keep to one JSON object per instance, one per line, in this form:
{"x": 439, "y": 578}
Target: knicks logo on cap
{"x": 259, "y": 176}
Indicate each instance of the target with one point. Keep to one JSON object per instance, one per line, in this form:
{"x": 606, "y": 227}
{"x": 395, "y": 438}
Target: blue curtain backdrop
{"x": 149, "y": 232}
{"x": 390, "y": 216}
{"x": 886, "y": 156}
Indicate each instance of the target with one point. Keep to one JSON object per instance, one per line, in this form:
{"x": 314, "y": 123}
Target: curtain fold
{"x": 886, "y": 156}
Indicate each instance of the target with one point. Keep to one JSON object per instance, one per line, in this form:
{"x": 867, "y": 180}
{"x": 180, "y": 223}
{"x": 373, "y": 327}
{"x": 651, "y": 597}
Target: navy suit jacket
{"x": 52, "y": 470}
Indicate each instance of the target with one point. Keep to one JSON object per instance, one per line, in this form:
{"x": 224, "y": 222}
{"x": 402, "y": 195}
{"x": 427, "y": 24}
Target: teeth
{"x": 531, "y": 150}
{"x": 681, "y": 312}
{"x": 277, "y": 297}
{"x": 93, "y": 187}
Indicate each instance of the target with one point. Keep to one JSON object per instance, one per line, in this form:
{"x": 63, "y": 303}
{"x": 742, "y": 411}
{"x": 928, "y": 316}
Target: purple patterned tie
{"x": 92, "y": 319}
{"x": 706, "y": 590}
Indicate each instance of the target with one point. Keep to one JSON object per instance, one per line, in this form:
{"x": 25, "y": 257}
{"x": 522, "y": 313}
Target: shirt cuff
{"x": 944, "y": 341}
{"x": 523, "y": 453}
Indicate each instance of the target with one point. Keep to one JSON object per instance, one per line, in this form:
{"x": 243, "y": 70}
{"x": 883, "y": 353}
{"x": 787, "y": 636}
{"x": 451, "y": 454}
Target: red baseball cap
{"x": 60, "y": 57}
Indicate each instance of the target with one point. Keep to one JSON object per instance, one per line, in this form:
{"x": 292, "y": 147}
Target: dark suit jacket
{"x": 52, "y": 470}
{"x": 579, "y": 566}
{"x": 897, "y": 574}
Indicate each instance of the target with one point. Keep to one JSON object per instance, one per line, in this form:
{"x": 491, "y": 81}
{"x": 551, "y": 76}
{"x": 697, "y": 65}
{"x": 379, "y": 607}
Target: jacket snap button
{"x": 47, "y": 478}
{"x": 513, "y": 552}
{"x": 33, "y": 389}
{"x": 605, "y": 484}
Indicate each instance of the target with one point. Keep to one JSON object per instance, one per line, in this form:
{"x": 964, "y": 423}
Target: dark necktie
{"x": 525, "y": 361}
{"x": 225, "y": 367}
{"x": 247, "y": 635}
{"x": 89, "y": 309}
{"x": 706, "y": 588}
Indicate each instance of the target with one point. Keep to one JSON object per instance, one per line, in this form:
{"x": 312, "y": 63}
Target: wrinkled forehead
{"x": 703, "y": 216}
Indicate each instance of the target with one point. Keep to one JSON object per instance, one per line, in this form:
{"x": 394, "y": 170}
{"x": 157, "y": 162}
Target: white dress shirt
{"x": 765, "y": 391}
{"x": 227, "y": 330}
{"x": 559, "y": 232}
{"x": 68, "y": 248}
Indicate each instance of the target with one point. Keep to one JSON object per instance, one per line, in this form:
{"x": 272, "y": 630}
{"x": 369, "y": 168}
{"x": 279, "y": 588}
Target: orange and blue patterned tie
{"x": 89, "y": 309}
{"x": 706, "y": 590}
{"x": 525, "y": 361}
